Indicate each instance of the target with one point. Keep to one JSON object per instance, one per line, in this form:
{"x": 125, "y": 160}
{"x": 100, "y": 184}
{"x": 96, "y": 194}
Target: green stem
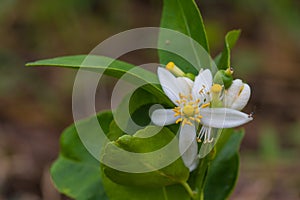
{"x": 201, "y": 178}
{"x": 189, "y": 189}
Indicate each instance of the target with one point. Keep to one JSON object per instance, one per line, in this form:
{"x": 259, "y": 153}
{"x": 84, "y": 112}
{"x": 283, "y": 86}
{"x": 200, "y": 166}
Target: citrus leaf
{"x": 76, "y": 173}
{"x": 108, "y": 66}
{"x": 182, "y": 16}
{"x": 149, "y": 139}
{"x": 223, "y": 59}
{"x": 223, "y": 170}
{"x": 121, "y": 192}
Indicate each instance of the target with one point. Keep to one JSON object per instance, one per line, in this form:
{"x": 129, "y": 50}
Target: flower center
{"x": 188, "y": 110}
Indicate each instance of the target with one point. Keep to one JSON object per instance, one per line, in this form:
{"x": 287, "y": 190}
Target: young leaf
{"x": 223, "y": 170}
{"x": 223, "y": 59}
{"x": 182, "y": 16}
{"x": 76, "y": 173}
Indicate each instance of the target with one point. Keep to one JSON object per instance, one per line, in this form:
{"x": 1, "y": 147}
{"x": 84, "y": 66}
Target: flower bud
{"x": 224, "y": 77}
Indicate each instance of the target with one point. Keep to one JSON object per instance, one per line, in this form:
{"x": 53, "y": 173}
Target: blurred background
{"x": 35, "y": 103}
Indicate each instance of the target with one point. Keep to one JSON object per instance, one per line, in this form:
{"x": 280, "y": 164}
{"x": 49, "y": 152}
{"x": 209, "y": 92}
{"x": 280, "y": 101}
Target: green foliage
{"x": 145, "y": 142}
{"x": 223, "y": 59}
{"x": 137, "y": 104}
{"x": 108, "y": 66}
{"x": 223, "y": 170}
{"x": 182, "y": 16}
{"x": 223, "y": 78}
{"x": 76, "y": 173}
{"x": 120, "y": 192}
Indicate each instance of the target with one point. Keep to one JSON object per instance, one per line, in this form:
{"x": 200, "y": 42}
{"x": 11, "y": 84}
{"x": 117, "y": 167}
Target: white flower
{"x": 194, "y": 102}
{"x": 237, "y": 95}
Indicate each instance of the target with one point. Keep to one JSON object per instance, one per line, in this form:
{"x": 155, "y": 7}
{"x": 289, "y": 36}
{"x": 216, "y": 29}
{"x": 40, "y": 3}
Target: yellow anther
{"x": 174, "y": 69}
{"x": 178, "y": 120}
{"x": 170, "y": 66}
{"x": 199, "y": 116}
{"x": 205, "y": 105}
{"x": 184, "y": 121}
{"x": 198, "y": 120}
{"x": 189, "y": 123}
{"x": 181, "y": 96}
{"x": 216, "y": 88}
{"x": 188, "y": 110}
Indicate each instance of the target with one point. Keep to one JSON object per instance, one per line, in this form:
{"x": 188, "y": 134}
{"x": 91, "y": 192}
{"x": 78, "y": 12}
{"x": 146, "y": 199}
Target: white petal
{"x": 237, "y": 95}
{"x": 202, "y": 81}
{"x": 188, "y": 146}
{"x": 194, "y": 164}
{"x": 223, "y": 117}
{"x": 232, "y": 92}
{"x": 169, "y": 84}
{"x": 243, "y": 98}
{"x": 163, "y": 117}
{"x": 184, "y": 85}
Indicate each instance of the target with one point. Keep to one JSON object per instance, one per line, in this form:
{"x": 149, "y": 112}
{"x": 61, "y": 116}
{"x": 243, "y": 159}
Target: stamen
{"x": 179, "y": 120}
{"x": 205, "y": 105}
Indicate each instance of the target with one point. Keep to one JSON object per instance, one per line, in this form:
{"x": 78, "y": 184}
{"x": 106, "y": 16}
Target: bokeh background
{"x": 35, "y": 103}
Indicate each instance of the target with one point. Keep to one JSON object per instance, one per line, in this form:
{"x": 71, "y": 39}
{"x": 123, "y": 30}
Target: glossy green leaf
{"x": 144, "y": 141}
{"x": 121, "y": 192}
{"x": 108, "y": 66}
{"x": 223, "y": 59}
{"x": 182, "y": 16}
{"x": 76, "y": 173}
{"x": 223, "y": 170}
{"x": 133, "y": 113}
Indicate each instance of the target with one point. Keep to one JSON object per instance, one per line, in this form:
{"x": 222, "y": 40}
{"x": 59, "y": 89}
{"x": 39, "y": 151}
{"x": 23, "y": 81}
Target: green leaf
{"x": 144, "y": 141}
{"x": 223, "y": 59}
{"x": 121, "y": 192}
{"x": 182, "y": 16}
{"x": 108, "y": 66}
{"x": 223, "y": 170}
{"x": 133, "y": 112}
{"x": 76, "y": 173}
